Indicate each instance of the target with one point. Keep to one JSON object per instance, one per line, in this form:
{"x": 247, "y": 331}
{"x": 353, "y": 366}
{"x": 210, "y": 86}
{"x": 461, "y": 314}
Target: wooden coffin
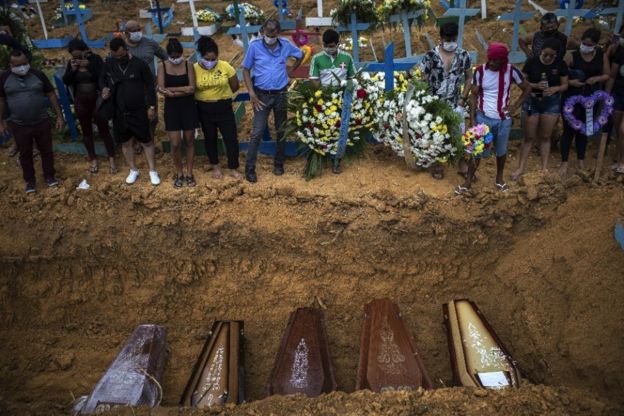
{"x": 134, "y": 378}
{"x": 303, "y": 363}
{"x": 478, "y": 357}
{"x": 388, "y": 356}
{"x": 218, "y": 376}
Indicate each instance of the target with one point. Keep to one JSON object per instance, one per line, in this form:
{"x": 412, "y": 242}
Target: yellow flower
{"x": 318, "y": 94}
{"x": 321, "y": 102}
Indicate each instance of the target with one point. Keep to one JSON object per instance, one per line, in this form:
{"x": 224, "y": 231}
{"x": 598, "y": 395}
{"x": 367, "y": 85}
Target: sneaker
{"x": 52, "y": 182}
{"x": 154, "y": 178}
{"x": 132, "y": 176}
{"x": 30, "y": 187}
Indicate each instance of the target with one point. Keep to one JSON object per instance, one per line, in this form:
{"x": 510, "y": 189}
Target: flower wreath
{"x": 588, "y": 103}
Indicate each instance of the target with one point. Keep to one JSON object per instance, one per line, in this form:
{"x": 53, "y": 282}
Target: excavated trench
{"x": 80, "y": 271}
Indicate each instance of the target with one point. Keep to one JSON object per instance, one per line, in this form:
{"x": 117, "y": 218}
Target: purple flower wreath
{"x": 588, "y": 103}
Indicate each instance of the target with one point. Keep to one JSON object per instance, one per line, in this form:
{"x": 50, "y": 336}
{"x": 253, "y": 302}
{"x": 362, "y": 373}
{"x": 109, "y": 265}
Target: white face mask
{"x": 176, "y": 61}
{"x": 449, "y": 46}
{"x": 21, "y": 70}
{"x": 270, "y": 41}
{"x": 586, "y": 49}
{"x": 136, "y": 36}
{"x": 206, "y": 64}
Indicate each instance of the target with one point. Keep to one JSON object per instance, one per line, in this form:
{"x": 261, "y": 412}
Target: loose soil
{"x": 80, "y": 269}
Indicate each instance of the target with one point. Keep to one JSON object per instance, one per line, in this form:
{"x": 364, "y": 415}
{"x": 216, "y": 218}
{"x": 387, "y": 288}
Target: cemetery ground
{"x": 80, "y": 269}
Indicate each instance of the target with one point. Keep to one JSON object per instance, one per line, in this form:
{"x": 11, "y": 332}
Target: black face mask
{"x": 550, "y": 33}
{"x": 123, "y": 60}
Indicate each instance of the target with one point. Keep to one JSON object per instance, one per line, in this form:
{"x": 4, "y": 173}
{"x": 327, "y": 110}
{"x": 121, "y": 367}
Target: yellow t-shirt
{"x": 213, "y": 84}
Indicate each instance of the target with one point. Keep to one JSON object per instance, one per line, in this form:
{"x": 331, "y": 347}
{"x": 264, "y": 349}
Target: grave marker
{"x": 517, "y": 16}
{"x": 570, "y": 13}
{"x": 354, "y": 27}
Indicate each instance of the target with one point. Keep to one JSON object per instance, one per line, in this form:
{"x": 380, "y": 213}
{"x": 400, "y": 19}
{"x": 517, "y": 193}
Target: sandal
{"x": 93, "y": 168}
{"x": 113, "y": 170}
{"x": 178, "y": 181}
{"x": 502, "y": 187}
{"x": 461, "y": 190}
{"x": 190, "y": 181}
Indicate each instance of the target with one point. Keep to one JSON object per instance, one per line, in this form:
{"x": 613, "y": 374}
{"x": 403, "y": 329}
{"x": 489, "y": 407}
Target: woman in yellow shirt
{"x": 215, "y": 85}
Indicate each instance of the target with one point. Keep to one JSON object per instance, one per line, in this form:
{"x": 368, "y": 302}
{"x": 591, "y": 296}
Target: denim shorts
{"x": 543, "y": 105}
{"x": 618, "y": 104}
{"x": 500, "y": 130}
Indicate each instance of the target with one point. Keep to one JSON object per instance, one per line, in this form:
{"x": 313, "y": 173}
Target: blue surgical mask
{"x": 449, "y": 46}
{"x": 207, "y": 64}
{"x": 270, "y": 41}
{"x": 21, "y": 70}
{"x": 136, "y": 36}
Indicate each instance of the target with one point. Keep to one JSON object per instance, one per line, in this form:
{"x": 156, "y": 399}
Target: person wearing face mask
{"x": 548, "y": 76}
{"x": 129, "y": 84}
{"x": 549, "y": 29}
{"x": 446, "y": 68}
{"x": 268, "y": 59}
{"x": 589, "y": 70}
{"x": 176, "y": 81}
{"x": 82, "y": 76}
{"x": 489, "y": 105}
{"x": 615, "y": 86}
{"x": 332, "y": 65}
{"x": 144, "y": 49}
{"x": 215, "y": 84}
{"x": 24, "y": 90}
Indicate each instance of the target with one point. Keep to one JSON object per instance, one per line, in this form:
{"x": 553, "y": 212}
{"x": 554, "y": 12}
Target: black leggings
{"x": 219, "y": 116}
{"x": 569, "y": 133}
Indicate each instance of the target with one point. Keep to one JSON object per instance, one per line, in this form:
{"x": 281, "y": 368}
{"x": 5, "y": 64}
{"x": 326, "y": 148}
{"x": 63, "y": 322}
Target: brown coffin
{"x": 478, "y": 357}
{"x": 218, "y": 376}
{"x": 134, "y": 377}
{"x": 388, "y": 356}
{"x": 303, "y": 364}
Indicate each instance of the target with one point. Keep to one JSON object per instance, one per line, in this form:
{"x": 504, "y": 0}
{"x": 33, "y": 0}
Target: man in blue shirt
{"x": 268, "y": 58}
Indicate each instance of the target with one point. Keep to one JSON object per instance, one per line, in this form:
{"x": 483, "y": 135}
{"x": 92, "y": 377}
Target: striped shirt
{"x": 494, "y": 89}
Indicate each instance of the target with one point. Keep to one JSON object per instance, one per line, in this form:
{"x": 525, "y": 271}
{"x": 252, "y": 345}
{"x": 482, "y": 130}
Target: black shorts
{"x": 181, "y": 114}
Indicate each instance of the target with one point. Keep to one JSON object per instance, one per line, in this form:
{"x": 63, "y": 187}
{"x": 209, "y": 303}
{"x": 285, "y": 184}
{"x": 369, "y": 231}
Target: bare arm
{"x": 614, "y": 70}
{"x": 524, "y": 43}
{"x": 474, "y": 93}
{"x": 160, "y": 79}
{"x": 467, "y": 85}
{"x": 60, "y": 122}
{"x": 234, "y": 83}
{"x": 316, "y": 82}
{"x": 604, "y": 77}
{"x": 526, "y": 91}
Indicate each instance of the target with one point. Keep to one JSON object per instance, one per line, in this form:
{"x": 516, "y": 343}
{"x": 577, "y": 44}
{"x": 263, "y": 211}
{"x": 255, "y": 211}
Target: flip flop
{"x": 461, "y": 190}
{"x": 502, "y": 187}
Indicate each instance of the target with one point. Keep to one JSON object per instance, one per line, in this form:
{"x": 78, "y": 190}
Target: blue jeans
{"x": 279, "y": 104}
{"x": 500, "y": 129}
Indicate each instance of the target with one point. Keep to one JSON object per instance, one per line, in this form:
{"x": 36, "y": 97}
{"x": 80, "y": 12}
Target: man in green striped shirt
{"x": 332, "y": 65}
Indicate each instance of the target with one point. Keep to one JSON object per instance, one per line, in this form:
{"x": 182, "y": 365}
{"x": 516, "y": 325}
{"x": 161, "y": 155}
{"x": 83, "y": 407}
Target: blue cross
{"x": 149, "y": 33}
{"x": 569, "y": 15}
{"x": 619, "y": 233}
{"x": 405, "y": 19}
{"x": 460, "y": 12}
{"x": 354, "y": 27}
{"x": 243, "y": 29}
{"x": 617, "y": 11}
{"x": 389, "y": 66}
{"x": 284, "y": 24}
{"x": 157, "y": 16}
{"x": 516, "y": 56}
{"x": 79, "y": 13}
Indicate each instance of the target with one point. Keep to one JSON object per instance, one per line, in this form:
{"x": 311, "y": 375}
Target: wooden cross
{"x": 461, "y": 12}
{"x": 516, "y": 56}
{"x": 354, "y": 27}
{"x": 243, "y": 29}
{"x": 570, "y": 13}
{"x": 390, "y": 65}
{"x": 406, "y": 19}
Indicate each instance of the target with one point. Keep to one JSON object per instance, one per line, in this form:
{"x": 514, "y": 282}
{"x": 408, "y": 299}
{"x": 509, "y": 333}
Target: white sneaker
{"x": 132, "y": 176}
{"x": 154, "y": 178}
